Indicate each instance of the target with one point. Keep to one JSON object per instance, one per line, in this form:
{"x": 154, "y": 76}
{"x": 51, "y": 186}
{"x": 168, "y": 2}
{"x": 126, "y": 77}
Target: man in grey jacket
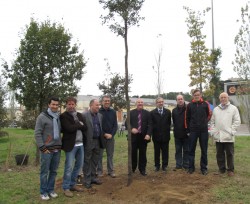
{"x": 224, "y": 123}
{"x": 48, "y": 140}
{"x": 94, "y": 142}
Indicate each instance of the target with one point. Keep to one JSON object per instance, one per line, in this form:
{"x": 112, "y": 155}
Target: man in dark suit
{"x": 94, "y": 142}
{"x": 73, "y": 126}
{"x": 140, "y": 136}
{"x": 161, "y": 121}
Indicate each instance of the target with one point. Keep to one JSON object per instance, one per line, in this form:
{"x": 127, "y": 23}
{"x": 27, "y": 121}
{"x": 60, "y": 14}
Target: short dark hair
{"x": 106, "y": 96}
{"x": 196, "y": 90}
{"x": 71, "y": 99}
{"x": 53, "y": 98}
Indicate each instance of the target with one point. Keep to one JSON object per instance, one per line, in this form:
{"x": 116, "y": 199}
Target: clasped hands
{"x": 135, "y": 131}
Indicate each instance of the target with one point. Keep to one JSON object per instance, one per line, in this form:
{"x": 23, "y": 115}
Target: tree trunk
{"x": 128, "y": 107}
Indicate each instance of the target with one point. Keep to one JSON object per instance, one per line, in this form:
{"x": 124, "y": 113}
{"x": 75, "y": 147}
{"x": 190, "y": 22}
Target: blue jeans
{"x": 73, "y": 165}
{"x": 48, "y": 171}
{"x": 181, "y": 152}
{"x": 203, "y": 140}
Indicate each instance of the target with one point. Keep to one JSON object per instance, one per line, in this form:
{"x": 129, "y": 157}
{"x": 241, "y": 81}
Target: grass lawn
{"x": 20, "y": 184}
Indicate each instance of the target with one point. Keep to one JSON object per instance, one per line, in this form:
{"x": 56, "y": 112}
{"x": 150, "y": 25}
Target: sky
{"x": 164, "y": 27}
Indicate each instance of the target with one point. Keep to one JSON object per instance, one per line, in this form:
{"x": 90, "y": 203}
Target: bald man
{"x": 141, "y": 129}
{"x": 224, "y": 123}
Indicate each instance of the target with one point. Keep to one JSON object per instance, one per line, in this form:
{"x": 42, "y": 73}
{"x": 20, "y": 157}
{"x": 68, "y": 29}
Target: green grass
{"x": 21, "y": 184}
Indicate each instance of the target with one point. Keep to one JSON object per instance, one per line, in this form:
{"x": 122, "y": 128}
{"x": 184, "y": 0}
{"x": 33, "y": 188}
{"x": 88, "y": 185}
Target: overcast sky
{"x": 82, "y": 19}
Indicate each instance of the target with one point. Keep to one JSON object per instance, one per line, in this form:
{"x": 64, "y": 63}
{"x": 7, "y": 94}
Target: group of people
{"x": 86, "y": 135}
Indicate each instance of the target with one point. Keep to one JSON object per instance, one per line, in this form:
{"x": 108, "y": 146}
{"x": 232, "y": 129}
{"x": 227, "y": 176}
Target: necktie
{"x": 160, "y": 111}
{"x": 139, "y": 121}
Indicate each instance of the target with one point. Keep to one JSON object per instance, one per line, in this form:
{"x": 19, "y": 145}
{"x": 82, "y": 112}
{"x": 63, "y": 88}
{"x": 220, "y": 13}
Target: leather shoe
{"x": 204, "y": 172}
{"x": 96, "y": 181}
{"x": 76, "y": 188}
{"x": 190, "y": 171}
{"x": 143, "y": 173}
{"x": 88, "y": 186}
{"x": 112, "y": 175}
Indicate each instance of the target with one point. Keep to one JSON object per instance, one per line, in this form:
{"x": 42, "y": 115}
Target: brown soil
{"x": 171, "y": 187}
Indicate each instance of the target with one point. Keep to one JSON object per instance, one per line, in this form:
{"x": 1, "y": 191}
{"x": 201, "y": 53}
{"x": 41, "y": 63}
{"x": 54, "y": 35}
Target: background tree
{"x": 114, "y": 86}
{"x": 200, "y": 71}
{"x": 242, "y": 62}
{"x": 47, "y": 64}
{"x": 214, "y": 88}
{"x": 121, "y": 16}
{"x": 3, "y": 111}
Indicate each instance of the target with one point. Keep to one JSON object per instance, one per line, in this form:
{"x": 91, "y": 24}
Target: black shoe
{"x": 133, "y": 170}
{"x": 164, "y": 168}
{"x": 96, "y": 181}
{"x": 88, "y": 186}
{"x": 190, "y": 171}
{"x": 143, "y": 173}
{"x": 157, "y": 168}
{"x": 204, "y": 172}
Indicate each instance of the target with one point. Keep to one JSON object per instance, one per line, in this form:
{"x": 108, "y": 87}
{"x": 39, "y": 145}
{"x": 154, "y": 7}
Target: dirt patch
{"x": 169, "y": 187}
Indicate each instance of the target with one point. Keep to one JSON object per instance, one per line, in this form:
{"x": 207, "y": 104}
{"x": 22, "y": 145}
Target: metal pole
{"x": 212, "y": 10}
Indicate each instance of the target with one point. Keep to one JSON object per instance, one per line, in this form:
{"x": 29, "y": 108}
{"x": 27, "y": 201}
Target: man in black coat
{"x": 180, "y": 134}
{"x": 161, "y": 122}
{"x": 140, "y": 136}
{"x": 73, "y": 127}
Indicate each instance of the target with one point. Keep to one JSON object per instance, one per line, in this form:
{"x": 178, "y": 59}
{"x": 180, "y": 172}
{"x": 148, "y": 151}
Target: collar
{"x": 200, "y": 101}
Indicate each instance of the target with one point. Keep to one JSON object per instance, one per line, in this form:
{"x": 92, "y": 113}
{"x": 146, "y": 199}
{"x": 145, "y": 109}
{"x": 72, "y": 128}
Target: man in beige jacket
{"x": 224, "y": 123}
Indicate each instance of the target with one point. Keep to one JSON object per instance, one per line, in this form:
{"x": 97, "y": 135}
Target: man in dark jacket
{"x": 73, "y": 125}
{"x": 140, "y": 136}
{"x": 198, "y": 114}
{"x": 109, "y": 127}
{"x": 180, "y": 134}
{"x": 161, "y": 121}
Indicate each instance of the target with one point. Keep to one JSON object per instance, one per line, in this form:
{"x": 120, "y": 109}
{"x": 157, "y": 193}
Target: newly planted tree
{"x": 123, "y": 14}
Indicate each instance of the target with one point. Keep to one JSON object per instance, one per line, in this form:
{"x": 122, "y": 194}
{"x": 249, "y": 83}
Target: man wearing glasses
{"x": 197, "y": 115}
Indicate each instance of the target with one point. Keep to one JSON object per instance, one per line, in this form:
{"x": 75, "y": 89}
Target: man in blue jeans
{"x": 198, "y": 114}
{"x": 180, "y": 135}
{"x": 73, "y": 125}
{"x": 48, "y": 140}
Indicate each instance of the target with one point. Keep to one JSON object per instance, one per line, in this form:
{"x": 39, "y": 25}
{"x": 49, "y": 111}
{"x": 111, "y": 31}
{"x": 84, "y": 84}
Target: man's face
{"x": 106, "y": 102}
{"x": 94, "y": 108}
{"x": 224, "y": 99}
{"x": 53, "y": 105}
{"x": 160, "y": 103}
{"x": 139, "y": 104}
{"x": 180, "y": 101}
{"x": 197, "y": 96}
{"x": 70, "y": 106}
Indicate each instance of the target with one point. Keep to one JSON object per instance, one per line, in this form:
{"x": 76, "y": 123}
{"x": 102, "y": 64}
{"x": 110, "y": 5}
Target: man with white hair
{"x": 224, "y": 123}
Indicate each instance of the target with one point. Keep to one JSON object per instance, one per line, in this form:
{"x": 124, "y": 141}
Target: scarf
{"x": 74, "y": 114}
{"x": 56, "y": 124}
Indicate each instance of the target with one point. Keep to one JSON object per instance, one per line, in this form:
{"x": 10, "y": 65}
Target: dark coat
{"x": 109, "y": 122}
{"x": 178, "y": 118}
{"x": 146, "y": 125}
{"x": 197, "y": 116}
{"x": 161, "y": 125}
{"x": 69, "y": 129}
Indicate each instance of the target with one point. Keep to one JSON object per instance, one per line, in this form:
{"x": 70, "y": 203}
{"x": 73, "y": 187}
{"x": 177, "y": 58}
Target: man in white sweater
{"x": 224, "y": 123}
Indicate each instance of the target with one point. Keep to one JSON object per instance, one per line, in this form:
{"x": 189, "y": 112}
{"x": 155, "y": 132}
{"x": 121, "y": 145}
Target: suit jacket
{"x": 89, "y": 132}
{"x": 146, "y": 126}
{"x": 161, "y": 125}
{"x": 69, "y": 129}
